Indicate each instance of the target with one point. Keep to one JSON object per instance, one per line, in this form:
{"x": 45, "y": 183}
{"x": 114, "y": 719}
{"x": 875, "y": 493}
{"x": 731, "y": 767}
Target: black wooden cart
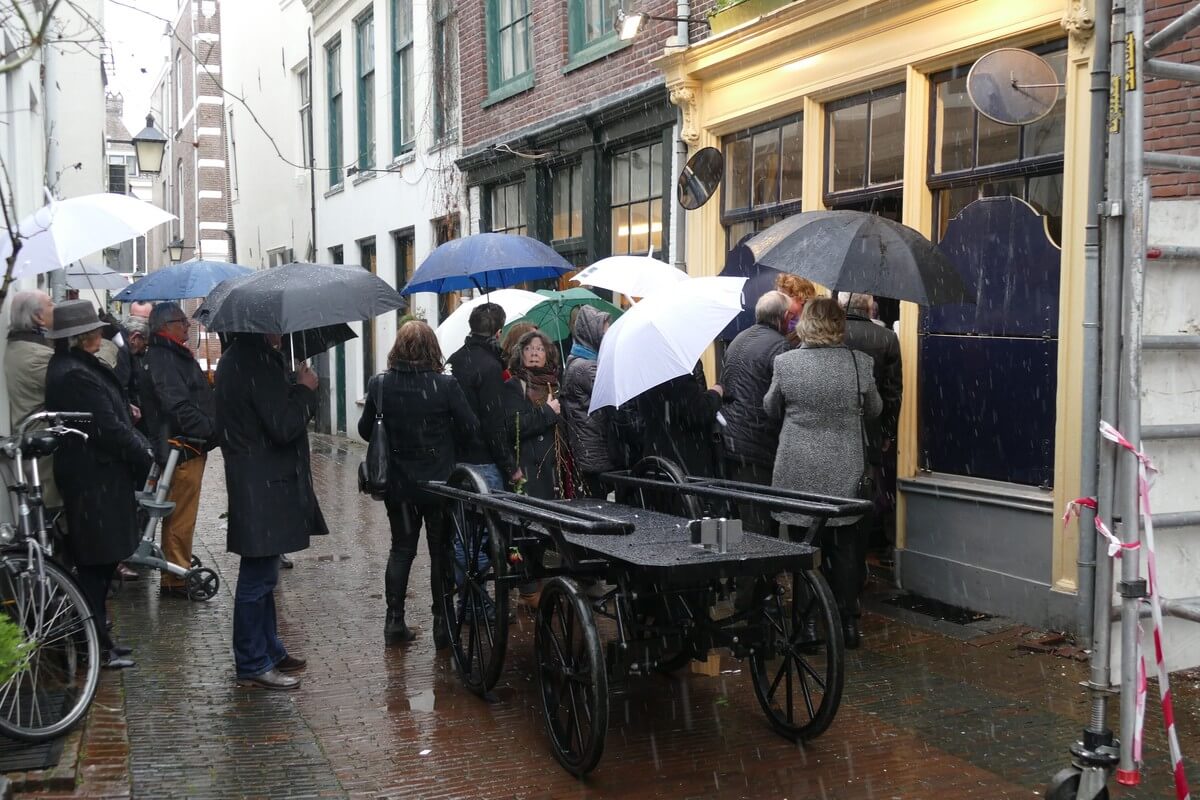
{"x": 626, "y": 592}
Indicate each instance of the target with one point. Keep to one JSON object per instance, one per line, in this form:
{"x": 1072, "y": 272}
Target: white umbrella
{"x": 454, "y": 328}
{"x": 633, "y": 276}
{"x": 662, "y": 337}
{"x": 82, "y": 277}
{"x": 65, "y": 231}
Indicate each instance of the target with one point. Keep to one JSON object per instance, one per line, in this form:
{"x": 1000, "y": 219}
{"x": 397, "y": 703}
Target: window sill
{"x": 449, "y": 140}
{"x": 363, "y": 176}
{"x": 595, "y": 51}
{"x": 406, "y": 157}
{"x": 980, "y": 490}
{"x": 510, "y": 89}
{"x": 336, "y": 189}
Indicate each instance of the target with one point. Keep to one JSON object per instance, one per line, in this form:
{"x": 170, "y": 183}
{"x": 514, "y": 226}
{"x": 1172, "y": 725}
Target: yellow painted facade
{"x": 810, "y": 52}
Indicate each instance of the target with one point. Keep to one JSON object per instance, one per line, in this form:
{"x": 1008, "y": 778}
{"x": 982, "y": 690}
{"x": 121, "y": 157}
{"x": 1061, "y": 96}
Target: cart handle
{"x": 773, "y": 498}
{"x": 546, "y": 512}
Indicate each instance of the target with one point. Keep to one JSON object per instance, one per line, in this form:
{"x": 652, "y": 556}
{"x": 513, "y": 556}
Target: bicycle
{"x": 58, "y": 666}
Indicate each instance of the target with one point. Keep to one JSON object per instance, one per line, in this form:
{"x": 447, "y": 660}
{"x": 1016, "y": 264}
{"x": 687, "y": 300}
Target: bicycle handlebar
{"x": 58, "y": 416}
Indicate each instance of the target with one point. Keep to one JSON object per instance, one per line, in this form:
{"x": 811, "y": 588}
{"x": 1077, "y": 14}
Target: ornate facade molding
{"x": 684, "y": 96}
{"x": 1079, "y": 21}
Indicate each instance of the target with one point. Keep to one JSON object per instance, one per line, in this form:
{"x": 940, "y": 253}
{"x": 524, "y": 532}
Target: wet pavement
{"x": 924, "y": 715}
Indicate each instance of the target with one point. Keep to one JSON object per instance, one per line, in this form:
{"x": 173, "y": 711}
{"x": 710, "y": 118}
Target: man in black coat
{"x": 750, "y": 435}
{"x": 478, "y": 366}
{"x": 263, "y": 421}
{"x": 680, "y": 418}
{"x": 866, "y": 335}
{"x": 177, "y": 401}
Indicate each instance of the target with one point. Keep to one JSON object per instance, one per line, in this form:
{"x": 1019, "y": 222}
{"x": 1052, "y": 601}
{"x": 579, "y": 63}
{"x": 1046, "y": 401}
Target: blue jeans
{"x": 491, "y": 476}
{"x": 256, "y": 644}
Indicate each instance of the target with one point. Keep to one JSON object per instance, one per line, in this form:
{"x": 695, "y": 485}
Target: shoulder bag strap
{"x": 862, "y": 412}
{"x": 379, "y": 396}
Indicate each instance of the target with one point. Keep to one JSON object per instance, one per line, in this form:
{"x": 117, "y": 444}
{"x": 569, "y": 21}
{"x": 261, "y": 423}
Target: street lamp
{"x": 628, "y": 25}
{"x": 150, "y": 146}
{"x": 175, "y": 250}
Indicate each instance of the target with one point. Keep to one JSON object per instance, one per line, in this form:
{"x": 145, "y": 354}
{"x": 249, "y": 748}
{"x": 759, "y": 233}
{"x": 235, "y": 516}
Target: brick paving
{"x": 924, "y": 715}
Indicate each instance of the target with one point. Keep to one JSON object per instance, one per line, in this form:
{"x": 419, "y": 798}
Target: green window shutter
{"x": 333, "y": 60}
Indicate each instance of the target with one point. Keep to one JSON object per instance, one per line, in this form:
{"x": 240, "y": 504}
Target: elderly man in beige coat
{"x": 25, "y": 361}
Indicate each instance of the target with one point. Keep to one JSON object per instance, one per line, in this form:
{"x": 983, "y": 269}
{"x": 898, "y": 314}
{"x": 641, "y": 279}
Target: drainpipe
{"x": 50, "y": 114}
{"x": 681, "y": 40}
{"x": 1089, "y": 477}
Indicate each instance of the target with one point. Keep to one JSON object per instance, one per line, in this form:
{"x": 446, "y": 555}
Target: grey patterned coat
{"x": 820, "y": 445}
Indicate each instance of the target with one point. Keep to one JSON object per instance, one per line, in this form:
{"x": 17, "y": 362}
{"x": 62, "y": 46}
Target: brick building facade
{"x": 568, "y": 136}
{"x": 190, "y": 106}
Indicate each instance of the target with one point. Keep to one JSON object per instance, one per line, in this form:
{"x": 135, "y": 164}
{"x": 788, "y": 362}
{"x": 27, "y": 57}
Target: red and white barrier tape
{"x": 1145, "y": 470}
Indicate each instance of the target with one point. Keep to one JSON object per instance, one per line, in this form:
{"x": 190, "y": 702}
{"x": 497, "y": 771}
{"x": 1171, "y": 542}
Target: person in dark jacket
{"x": 97, "y": 477}
{"x": 590, "y": 436}
{"x": 263, "y": 421}
{"x": 866, "y": 335}
{"x": 177, "y": 401}
{"x": 531, "y": 417}
{"x": 479, "y": 369}
{"x": 680, "y": 417}
{"x": 427, "y": 420}
{"x": 750, "y": 435}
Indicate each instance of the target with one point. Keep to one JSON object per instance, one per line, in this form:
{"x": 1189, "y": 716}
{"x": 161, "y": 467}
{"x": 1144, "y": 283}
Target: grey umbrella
{"x": 296, "y": 297}
{"x": 852, "y": 251}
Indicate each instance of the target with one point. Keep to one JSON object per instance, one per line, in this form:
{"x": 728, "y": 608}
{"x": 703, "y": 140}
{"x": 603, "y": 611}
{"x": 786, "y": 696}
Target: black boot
{"x": 441, "y": 638}
{"x": 851, "y": 633}
{"x": 395, "y": 587}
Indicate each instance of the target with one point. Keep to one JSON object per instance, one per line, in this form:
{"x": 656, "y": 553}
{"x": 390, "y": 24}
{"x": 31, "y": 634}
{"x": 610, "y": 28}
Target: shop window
{"x": 333, "y": 69}
{"x": 445, "y": 70}
{"x": 763, "y": 176}
{"x": 402, "y": 76}
{"x": 637, "y": 200}
{"x": 568, "y": 203}
{"x": 510, "y": 63}
{"x": 865, "y": 141}
{"x": 508, "y": 208}
{"x": 364, "y": 35}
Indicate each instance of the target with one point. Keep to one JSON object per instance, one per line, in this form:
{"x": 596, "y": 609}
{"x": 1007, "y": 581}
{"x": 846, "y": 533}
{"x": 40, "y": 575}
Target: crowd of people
{"x": 809, "y": 399}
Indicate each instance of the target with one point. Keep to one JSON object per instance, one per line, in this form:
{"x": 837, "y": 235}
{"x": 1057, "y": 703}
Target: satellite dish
{"x": 700, "y": 177}
{"x": 1012, "y": 87}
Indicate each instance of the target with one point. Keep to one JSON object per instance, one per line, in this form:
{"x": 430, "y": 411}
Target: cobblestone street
{"x": 924, "y": 715}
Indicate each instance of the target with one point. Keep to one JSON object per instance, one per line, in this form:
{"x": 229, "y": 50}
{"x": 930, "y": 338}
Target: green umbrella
{"x": 552, "y": 316}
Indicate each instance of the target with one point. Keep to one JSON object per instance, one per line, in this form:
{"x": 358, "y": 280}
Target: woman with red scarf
{"x": 532, "y": 417}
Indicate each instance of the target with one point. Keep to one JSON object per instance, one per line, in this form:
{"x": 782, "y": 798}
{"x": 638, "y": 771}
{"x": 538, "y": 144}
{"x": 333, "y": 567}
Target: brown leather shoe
{"x": 271, "y": 679}
{"x": 291, "y": 664}
{"x": 126, "y": 574}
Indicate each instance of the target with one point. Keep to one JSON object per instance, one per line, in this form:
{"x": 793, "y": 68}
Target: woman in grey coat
{"x": 823, "y": 392}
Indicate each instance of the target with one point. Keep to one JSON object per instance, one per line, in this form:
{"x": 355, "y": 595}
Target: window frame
{"x": 753, "y": 213}
{"x": 305, "y": 112}
{"x": 364, "y": 79}
{"x": 500, "y": 88}
{"x": 582, "y": 51}
{"x": 574, "y": 192}
{"x": 445, "y": 53}
{"x": 404, "y": 240}
{"x": 630, "y": 202}
{"x": 832, "y": 198}
{"x": 335, "y": 125}
{"x": 403, "y": 81}
{"x": 368, "y": 338}
{"x": 522, "y": 228}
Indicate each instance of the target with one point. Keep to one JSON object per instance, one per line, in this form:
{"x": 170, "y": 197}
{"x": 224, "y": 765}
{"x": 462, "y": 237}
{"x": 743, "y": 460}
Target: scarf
{"x": 583, "y": 351}
{"x": 539, "y": 382}
{"x": 181, "y": 342}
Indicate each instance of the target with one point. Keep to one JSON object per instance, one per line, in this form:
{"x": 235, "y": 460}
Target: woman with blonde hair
{"x": 824, "y": 392}
{"x": 426, "y": 416}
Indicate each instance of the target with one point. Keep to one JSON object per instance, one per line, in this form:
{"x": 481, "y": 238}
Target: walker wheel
{"x": 1065, "y": 786}
{"x": 202, "y": 584}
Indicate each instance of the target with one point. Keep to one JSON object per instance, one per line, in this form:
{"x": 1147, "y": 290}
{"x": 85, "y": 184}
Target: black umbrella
{"x": 315, "y": 341}
{"x": 852, "y": 251}
{"x": 296, "y": 297}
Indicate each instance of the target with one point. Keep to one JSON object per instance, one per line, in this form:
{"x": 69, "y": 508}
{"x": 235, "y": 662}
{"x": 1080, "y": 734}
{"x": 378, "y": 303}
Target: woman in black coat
{"x": 680, "y": 419}
{"x": 428, "y": 420}
{"x": 97, "y": 477}
{"x": 531, "y": 417}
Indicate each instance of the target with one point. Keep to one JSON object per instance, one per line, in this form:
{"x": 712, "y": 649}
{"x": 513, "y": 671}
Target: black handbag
{"x": 867, "y": 486}
{"x": 374, "y": 469}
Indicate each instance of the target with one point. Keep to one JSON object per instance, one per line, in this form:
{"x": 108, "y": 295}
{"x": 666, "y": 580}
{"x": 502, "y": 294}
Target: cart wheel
{"x": 799, "y": 674}
{"x": 574, "y": 685}
{"x": 474, "y": 609}
{"x": 662, "y": 500}
{"x": 1065, "y": 786}
{"x": 202, "y": 584}
{"x": 196, "y": 563}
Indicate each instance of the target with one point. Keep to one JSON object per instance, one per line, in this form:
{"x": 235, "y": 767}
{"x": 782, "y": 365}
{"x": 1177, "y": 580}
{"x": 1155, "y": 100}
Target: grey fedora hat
{"x": 72, "y": 318}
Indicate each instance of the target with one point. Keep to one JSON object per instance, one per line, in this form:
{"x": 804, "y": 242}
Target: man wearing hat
{"x": 97, "y": 477}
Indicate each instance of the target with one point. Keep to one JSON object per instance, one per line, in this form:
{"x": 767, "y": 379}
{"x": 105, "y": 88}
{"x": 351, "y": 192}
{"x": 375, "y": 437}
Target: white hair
{"x": 857, "y": 303}
{"x": 771, "y": 308}
{"x": 25, "y": 308}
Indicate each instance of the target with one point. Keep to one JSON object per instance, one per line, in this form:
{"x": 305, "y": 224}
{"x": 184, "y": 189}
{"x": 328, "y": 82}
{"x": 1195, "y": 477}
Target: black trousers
{"x": 406, "y": 519}
{"x": 592, "y": 485}
{"x": 844, "y": 564}
{"x": 93, "y": 582}
{"x": 754, "y": 518}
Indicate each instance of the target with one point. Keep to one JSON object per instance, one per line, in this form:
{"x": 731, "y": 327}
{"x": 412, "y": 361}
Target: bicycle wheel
{"x": 56, "y": 678}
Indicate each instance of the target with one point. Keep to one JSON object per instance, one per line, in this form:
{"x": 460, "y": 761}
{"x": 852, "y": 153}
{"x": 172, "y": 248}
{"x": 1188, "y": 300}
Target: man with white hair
{"x": 25, "y": 361}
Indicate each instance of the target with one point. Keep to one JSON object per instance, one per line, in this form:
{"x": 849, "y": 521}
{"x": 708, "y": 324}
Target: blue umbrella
{"x": 181, "y": 281}
{"x": 486, "y": 261}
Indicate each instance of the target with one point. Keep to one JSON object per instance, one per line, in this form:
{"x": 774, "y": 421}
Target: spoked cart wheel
{"x": 571, "y": 676}
{"x": 662, "y": 500}
{"x": 474, "y": 607}
{"x": 798, "y": 676}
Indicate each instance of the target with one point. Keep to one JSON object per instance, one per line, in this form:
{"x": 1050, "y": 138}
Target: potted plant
{"x": 729, "y": 14}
